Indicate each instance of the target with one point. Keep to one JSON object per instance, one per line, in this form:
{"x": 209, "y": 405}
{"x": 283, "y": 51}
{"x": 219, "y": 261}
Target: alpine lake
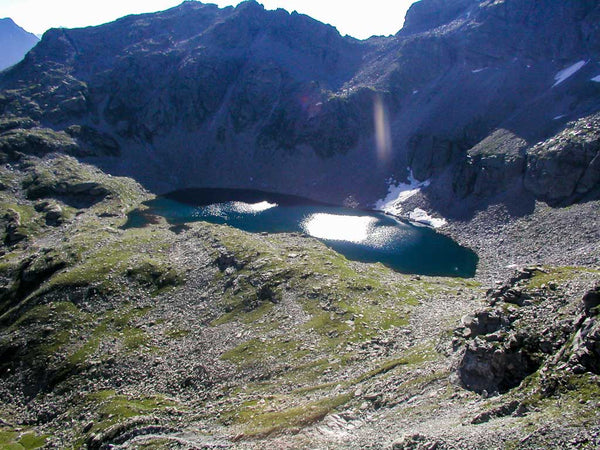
{"x": 360, "y": 235}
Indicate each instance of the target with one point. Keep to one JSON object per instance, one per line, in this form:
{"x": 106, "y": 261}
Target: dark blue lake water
{"x": 359, "y": 235}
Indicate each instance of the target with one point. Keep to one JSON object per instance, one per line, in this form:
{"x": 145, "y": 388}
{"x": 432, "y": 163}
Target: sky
{"x": 360, "y": 19}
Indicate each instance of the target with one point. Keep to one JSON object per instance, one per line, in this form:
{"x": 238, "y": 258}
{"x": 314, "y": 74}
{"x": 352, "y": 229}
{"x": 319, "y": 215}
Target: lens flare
{"x": 383, "y": 133}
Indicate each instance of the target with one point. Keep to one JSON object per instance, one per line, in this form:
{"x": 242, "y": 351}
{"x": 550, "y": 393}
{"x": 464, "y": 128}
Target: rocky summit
{"x": 481, "y": 114}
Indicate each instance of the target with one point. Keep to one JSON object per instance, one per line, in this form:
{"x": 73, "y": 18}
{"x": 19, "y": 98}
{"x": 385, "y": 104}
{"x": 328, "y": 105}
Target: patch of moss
{"x": 61, "y": 313}
{"x": 260, "y": 421}
{"x": 305, "y": 373}
{"x": 82, "y": 186}
{"x": 558, "y": 275}
{"x": 134, "y": 338}
{"x": 414, "y": 356}
{"x": 112, "y": 408}
{"x": 35, "y": 141}
{"x": 352, "y": 322}
{"x": 575, "y": 401}
{"x": 7, "y": 436}
{"x": 256, "y": 350}
{"x": 83, "y": 354}
{"x": 567, "y": 399}
{"x": 154, "y": 444}
{"x": 176, "y": 333}
{"x": 113, "y": 325}
{"x": 30, "y": 221}
{"x": 12, "y": 122}
{"x": 19, "y": 440}
{"x": 32, "y": 441}
{"x": 61, "y": 340}
{"x": 46, "y": 329}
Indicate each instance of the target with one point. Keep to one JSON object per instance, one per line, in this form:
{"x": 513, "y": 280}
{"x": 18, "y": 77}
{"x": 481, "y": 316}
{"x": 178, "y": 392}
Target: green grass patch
{"x": 414, "y": 356}
{"x": 31, "y": 222}
{"x": 60, "y": 336}
{"x": 107, "y": 260}
{"x": 113, "y": 325}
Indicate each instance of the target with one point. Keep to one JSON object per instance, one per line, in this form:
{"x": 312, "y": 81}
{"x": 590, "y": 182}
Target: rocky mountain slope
{"x": 244, "y": 97}
{"x": 15, "y": 41}
{"x": 204, "y": 336}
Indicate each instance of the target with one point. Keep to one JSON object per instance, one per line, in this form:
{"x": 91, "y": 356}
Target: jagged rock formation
{"x": 243, "y": 97}
{"x": 15, "y": 43}
{"x": 501, "y": 345}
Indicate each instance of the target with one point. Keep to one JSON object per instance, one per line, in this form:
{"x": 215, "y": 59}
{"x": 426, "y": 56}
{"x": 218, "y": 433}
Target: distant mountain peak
{"x": 15, "y": 42}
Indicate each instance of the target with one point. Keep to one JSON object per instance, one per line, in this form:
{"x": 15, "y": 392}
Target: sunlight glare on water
{"x": 339, "y": 227}
{"x": 222, "y": 209}
{"x": 252, "y": 207}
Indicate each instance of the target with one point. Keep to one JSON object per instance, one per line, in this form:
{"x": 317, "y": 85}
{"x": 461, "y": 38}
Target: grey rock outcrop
{"x": 499, "y": 346}
{"x": 591, "y": 300}
{"x": 14, "y": 232}
{"x": 566, "y": 166}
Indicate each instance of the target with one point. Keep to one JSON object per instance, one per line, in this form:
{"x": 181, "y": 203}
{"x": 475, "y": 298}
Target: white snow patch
{"x": 596, "y": 79}
{"x": 420, "y": 216}
{"x": 398, "y": 193}
{"x": 568, "y": 72}
{"x": 479, "y": 70}
{"x": 559, "y": 117}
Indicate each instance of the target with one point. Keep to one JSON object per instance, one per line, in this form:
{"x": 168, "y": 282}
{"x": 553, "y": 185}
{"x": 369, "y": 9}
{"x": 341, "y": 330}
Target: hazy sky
{"x": 360, "y": 19}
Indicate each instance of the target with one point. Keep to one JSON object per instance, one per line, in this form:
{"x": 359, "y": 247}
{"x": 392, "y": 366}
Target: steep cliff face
{"x": 244, "y": 97}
